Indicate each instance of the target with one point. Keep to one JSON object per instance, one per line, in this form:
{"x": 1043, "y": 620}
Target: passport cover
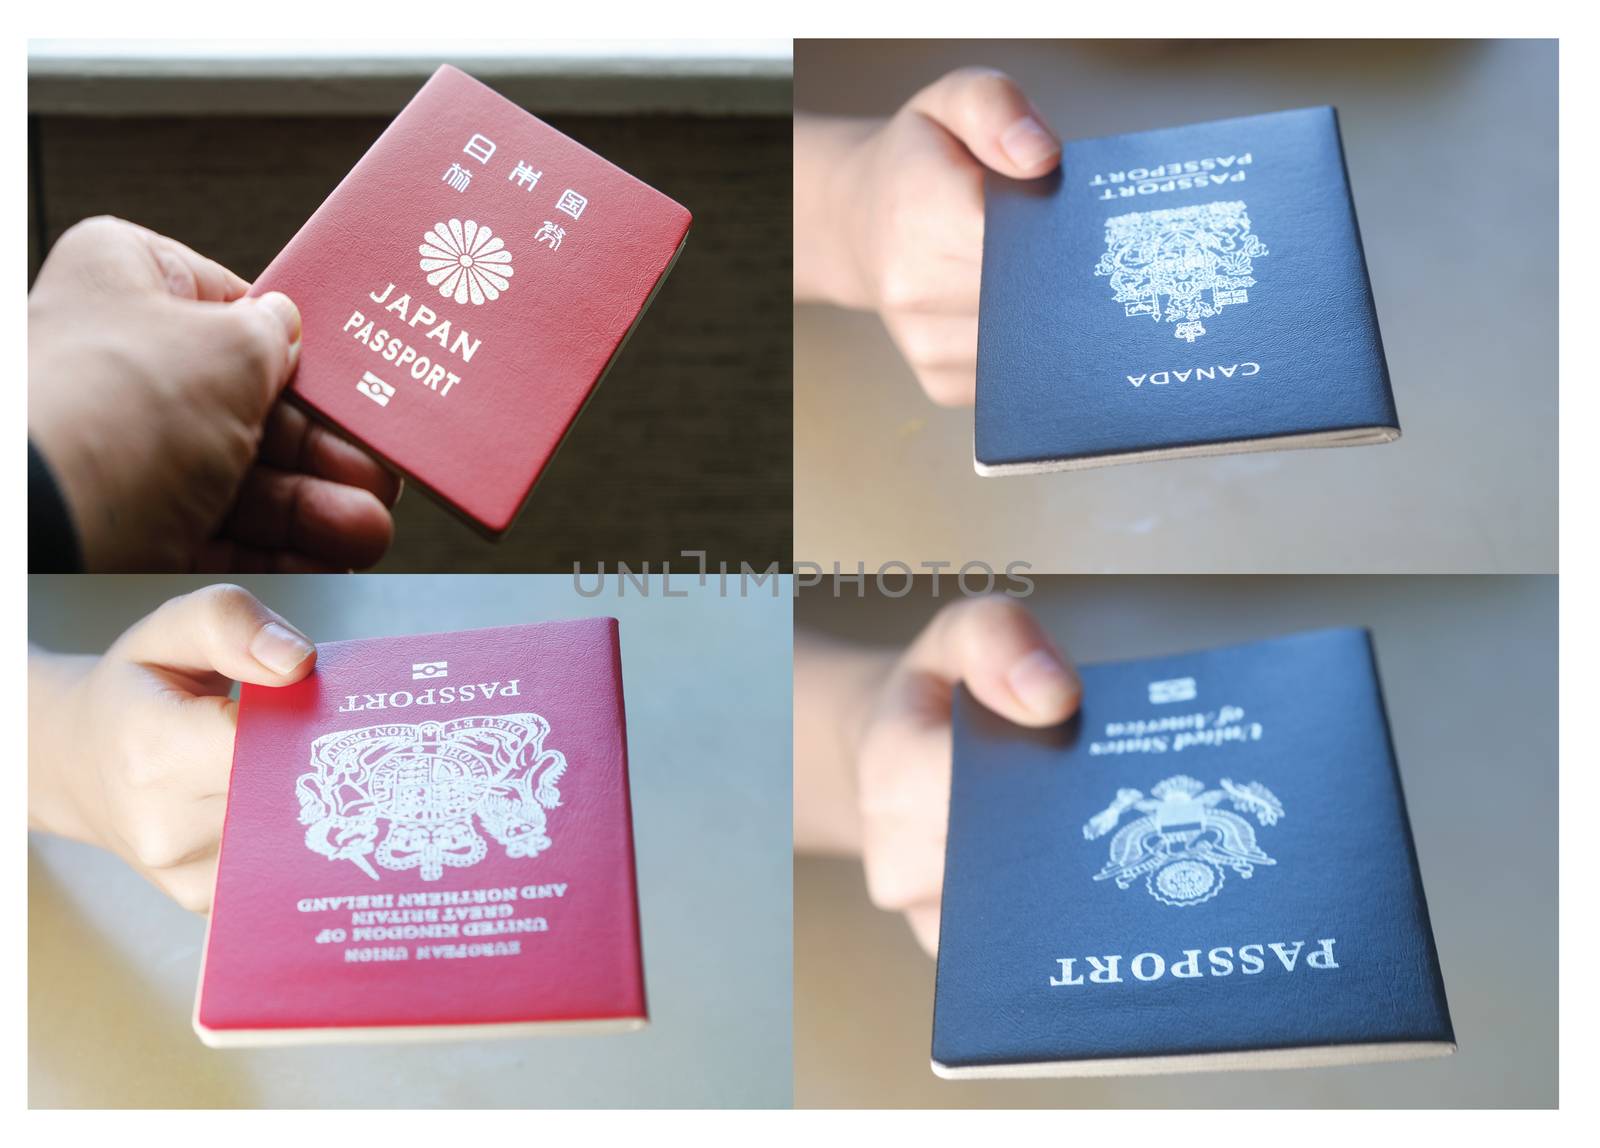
{"x": 465, "y": 288}
{"x": 1191, "y": 291}
{"x": 1209, "y": 867}
{"x": 429, "y": 836}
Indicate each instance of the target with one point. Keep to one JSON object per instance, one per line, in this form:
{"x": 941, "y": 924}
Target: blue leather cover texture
{"x": 1245, "y": 309}
{"x": 1280, "y": 766}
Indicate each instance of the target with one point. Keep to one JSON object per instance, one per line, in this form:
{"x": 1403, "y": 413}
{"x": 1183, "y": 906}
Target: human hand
{"x": 998, "y": 649}
{"x": 152, "y": 394}
{"x": 132, "y": 750}
{"x": 889, "y": 214}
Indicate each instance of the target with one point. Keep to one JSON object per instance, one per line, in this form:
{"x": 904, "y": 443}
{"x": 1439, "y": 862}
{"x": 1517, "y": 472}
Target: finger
{"x": 924, "y": 922}
{"x": 904, "y": 758}
{"x": 344, "y": 526}
{"x": 949, "y": 386}
{"x": 903, "y": 789}
{"x": 189, "y": 275}
{"x": 903, "y": 858}
{"x": 295, "y": 442}
{"x": 191, "y": 885}
{"x": 112, "y": 256}
{"x": 256, "y": 341}
{"x": 208, "y": 723}
{"x": 937, "y": 341}
{"x": 221, "y": 629}
{"x": 188, "y": 828}
{"x": 996, "y": 646}
{"x": 986, "y": 110}
{"x": 949, "y": 286}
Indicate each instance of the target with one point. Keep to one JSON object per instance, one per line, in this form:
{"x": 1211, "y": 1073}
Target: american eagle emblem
{"x": 1184, "y": 844}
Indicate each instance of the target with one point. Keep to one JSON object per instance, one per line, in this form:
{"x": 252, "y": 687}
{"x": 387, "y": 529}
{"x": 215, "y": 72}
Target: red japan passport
{"x": 465, "y": 288}
{"x": 429, "y": 836}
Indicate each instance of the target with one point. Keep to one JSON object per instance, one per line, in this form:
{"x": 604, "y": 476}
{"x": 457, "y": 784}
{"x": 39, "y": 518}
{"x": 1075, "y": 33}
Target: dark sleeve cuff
{"x": 52, "y": 540}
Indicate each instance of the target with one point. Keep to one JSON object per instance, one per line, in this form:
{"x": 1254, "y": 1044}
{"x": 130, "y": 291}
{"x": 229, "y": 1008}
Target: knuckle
{"x": 979, "y": 88}
{"x": 885, "y": 886}
{"x": 945, "y": 388}
{"x": 224, "y": 598}
{"x": 963, "y": 622}
{"x": 892, "y": 797}
{"x": 223, "y": 609}
{"x": 901, "y": 287}
{"x": 95, "y": 230}
{"x": 880, "y": 778}
{"x": 146, "y": 760}
{"x": 155, "y": 847}
{"x": 900, "y": 880}
{"x": 195, "y": 898}
{"x": 167, "y": 618}
{"x": 976, "y": 75}
{"x": 881, "y": 796}
{"x": 255, "y": 338}
{"x": 981, "y": 612}
{"x": 990, "y": 82}
{"x": 959, "y": 81}
{"x": 917, "y": 343}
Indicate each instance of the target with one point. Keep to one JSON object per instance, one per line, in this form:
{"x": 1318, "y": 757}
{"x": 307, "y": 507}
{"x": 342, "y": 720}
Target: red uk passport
{"x": 464, "y": 290}
{"x": 429, "y": 836}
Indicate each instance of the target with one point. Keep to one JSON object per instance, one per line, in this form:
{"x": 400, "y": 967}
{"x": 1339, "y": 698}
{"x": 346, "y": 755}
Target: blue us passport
{"x": 1167, "y": 294}
{"x": 1209, "y": 867}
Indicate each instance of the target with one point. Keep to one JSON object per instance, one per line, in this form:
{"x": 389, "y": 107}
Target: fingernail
{"x": 279, "y": 648}
{"x": 1029, "y": 144}
{"x": 283, "y": 307}
{"x": 1043, "y": 684}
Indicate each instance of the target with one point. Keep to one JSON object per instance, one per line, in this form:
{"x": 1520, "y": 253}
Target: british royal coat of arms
{"x": 1182, "y": 264}
{"x": 1184, "y": 845}
{"x": 422, "y": 796}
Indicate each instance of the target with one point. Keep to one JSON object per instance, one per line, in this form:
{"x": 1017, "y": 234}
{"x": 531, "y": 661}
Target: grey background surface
{"x": 1469, "y": 675}
{"x": 1452, "y": 157}
{"x": 113, "y": 963}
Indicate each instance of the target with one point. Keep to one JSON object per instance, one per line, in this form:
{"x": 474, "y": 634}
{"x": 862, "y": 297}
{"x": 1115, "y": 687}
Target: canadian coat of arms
{"x": 1184, "y": 844}
{"x": 1181, "y": 264}
{"x": 415, "y": 796}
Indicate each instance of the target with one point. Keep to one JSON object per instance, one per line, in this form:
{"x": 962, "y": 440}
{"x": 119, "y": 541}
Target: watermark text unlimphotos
{"x": 892, "y": 579}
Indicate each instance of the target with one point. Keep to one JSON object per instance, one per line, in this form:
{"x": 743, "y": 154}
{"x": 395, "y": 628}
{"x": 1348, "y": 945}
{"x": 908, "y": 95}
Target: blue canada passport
{"x": 1209, "y": 867}
{"x": 1168, "y": 294}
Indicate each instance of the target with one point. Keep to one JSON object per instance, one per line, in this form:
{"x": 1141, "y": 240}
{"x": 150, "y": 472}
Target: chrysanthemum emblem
{"x": 466, "y": 262}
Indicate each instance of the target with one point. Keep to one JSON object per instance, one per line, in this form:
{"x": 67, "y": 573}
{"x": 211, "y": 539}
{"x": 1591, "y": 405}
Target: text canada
{"x": 1227, "y": 371}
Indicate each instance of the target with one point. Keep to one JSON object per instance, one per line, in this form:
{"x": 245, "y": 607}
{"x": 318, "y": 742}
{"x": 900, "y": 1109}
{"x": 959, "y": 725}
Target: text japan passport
{"x": 1209, "y": 867}
{"x": 465, "y": 288}
{"x": 1167, "y": 294}
{"x": 429, "y": 836}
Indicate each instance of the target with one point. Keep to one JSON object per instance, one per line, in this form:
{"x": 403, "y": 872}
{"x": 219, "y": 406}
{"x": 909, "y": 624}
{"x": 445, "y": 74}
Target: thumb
{"x": 257, "y": 339}
{"x": 221, "y": 630}
{"x": 997, "y": 647}
{"x": 285, "y": 328}
{"x": 987, "y": 112}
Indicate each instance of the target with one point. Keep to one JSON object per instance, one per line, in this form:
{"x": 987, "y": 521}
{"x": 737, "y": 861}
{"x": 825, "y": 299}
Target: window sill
{"x": 155, "y": 78}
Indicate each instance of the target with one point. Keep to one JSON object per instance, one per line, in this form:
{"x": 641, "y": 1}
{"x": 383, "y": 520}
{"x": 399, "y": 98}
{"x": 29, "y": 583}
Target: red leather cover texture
{"x": 430, "y": 830}
{"x": 465, "y": 287}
